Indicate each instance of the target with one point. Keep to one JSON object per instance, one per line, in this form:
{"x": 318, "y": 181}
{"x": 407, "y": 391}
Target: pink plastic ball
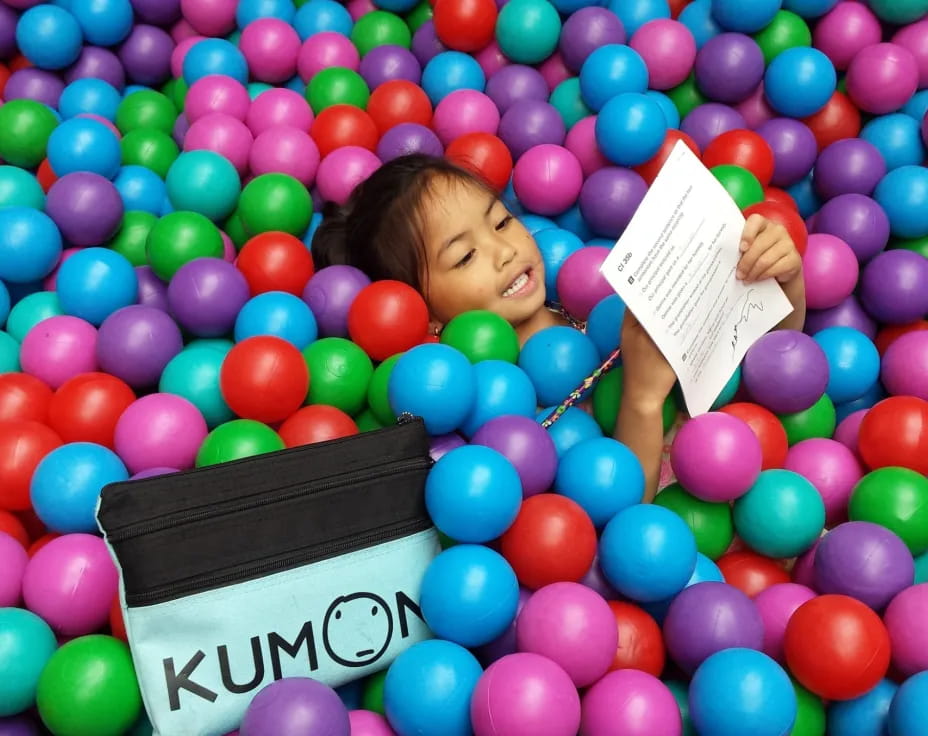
{"x": 210, "y": 17}
{"x": 755, "y": 109}
{"x": 180, "y": 52}
{"x": 368, "y": 723}
{"x": 547, "y": 179}
{"x": 51, "y": 280}
{"x": 229, "y": 252}
{"x": 491, "y": 59}
{"x": 342, "y": 170}
{"x": 71, "y": 583}
{"x": 668, "y": 49}
{"x": 716, "y": 457}
{"x": 882, "y": 78}
{"x": 907, "y": 624}
{"x": 630, "y": 703}
{"x": 279, "y": 107}
{"x": 182, "y": 30}
{"x": 159, "y": 430}
{"x": 227, "y": 136}
{"x": 110, "y": 125}
{"x": 830, "y": 269}
{"x": 776, "y": 604}
{"x": 844, "y": 30}
{"x": 216, "y": 93}
{"x": 848, "y": 431}
{"x": 59, "y": 348}
{"x": 270, "y": 47}
{"x": 829, "y": 466}
{"x": 287, "y": 151}
{"x": 573, "y": 626}
{"x": 359, "y": 8}
{"x": 525, "y": 694}
{"x": 322, "y": 50}
{"x": 554, "y": 70}
{"x": 803, "y": 572}
{"x": 580, "y": 285}
{"x": 13, "y": 560}
{"x": 904, "y": 371}
{"x": 914, "y": 37}
{"x": 464, "y": 111}
{"x": 581, "y": 142}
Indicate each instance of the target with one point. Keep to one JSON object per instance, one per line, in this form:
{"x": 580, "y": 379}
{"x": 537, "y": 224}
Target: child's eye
{"x": 504, "y": 222}
{"x": 466, "y": 259}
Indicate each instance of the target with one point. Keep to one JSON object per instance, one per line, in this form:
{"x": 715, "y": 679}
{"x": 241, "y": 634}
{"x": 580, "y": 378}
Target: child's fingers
{"x": 783, "y": 269}
{"x": 754, "y": 225}
{"x": 766, "y": 260}
{"x": 762, "y": 243}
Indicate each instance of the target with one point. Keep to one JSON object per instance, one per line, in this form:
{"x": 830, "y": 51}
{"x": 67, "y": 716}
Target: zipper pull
{"x": 406, "y": 418}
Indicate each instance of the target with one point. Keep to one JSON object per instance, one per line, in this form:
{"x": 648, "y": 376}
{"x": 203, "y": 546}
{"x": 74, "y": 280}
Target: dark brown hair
{"x": 379, "y": 229}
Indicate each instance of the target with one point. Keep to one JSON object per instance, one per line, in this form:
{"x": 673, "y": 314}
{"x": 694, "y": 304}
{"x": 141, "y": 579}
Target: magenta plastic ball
{"x": 13, "y": 560}
{"x": 844, "y": 31}
{"x": 881, "y": 78}
{"x": 97, "y": 63}
{"x": 51, "y": 280}
{"x": 547, "y": 179}
{"x": 554, "y": 70}
{"x": 59, "y": 348}
{"x": 858, "y": 220}
{"x": 776, "y": 605}
{"x": 529, "y": 123}
{"x": 573, "y": 626}
{"x": 146, "y": 55}
{"x": 384, "y": 63}
{"x": 729, "y": 67}
{"x": 159, "y": 430}
{"x": 580, "y": 285}
{"x": 342, "y": 170}
{"x": 210, "y": 17}
{"x": 848, "y": 431}
{"x": 368, "y": 723}
{"x": 848, "y": 313}
{"x": 914, "y": 37}
{"x": 359, "y": 8}
{"x": 285, "y": 150}
{"x": 34, "y": 84}
{"x": 630, "y": 703}
{"x": 153, "y": 473}
{"x": 182, "y": 30}
{"x": 581, "y": 142}
{"x": 755, "y": 109}
{"x": 852, "y": 165}
{"x": 786, "y": 371}
{"x": 279, "y": 107}
{"x": 830, "y": 270}
{"x": 708, "y": 121}
{"x": 270, "y": 47}
{"x": 443, "y": 444}
{"x": 716, "y": 457}
{"x": 136, "y": 343}
{"x": 515, "y": 83}
{"x": 464, "y": 111}
{"x": 527, "y": 445}
{"x": 794, "y": 149}
{"x": 407, "y": 138}
{"x": 153, "y": 292}
{"x": 525, "y": 694}
{"x": 609, "y": 198}
{"x": 180, "y": 53}
{"x": 330, "y": 293}
{"x": 227, "y": 136}
{"x": 894, "y": 287}
{"x": 323, "y": 50}
{"x": 904, "y": 371}
{"x": 585, "y": 31}
{"x": 829, "y": 466}
{"x": 908, "y": 629}
{"x": 803, "y": 572}
{"x": 206, "y": 295}
{"x": 216, "y": 93}
{"x": 491, "y": 58}
{"x": 71, "y": 583}
{"x": 669, "y": 51}
{"x": 86, "y": 208}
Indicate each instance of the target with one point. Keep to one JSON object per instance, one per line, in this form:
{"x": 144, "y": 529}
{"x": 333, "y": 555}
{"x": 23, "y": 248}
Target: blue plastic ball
{"x": 469, "y": 595}
{"x": 697, "y": 17}
{"x": 909, "y": 710}
{"x": 736, "y": 15}
{"x": 194, "y": 374}
{"x": 556, "y": 360}
{"x": 396, "y": 6}
{"x": 556, "y": 245}
{"x": 279, "y": 314}
{"x": 804, "y": 194}
{"x": 527, "y": 31}
{"x": 9, "y": 353}
{"x": 604, "y": 326}
{"x": 104, "y": 22}
{"x": 314, "y": 222}
{"x": 572, "y": 221}
{"x": 20, "y": 188}
{"x": 630, "y": 129}
{"x": 729, "y": 390}
{"x": 49, "y": 36}
{"x": 428, "y": 689}
{"x": 799, "y": 81}
{"x": 501, "y": 388}
{"x": 322, "y": 15}
{"x": 29, "y": 311}
{"x": 67, "y": 483}
{"x": 647, "y": 553}
{"x": 635, "y": 13}
{"x": 809, "y": 8}
{"x": 435, "y": 382}
{"x": 917, "y": 106}
{"x": 82, "y": 144}
{"x": 4, "y": 303}
{"x": 866, "y": 714}
{"x": 603, "y": 476}
{"x": 26, "y": 645}
{"x": 573, "y": 426}
{"x": 853, "y": 362}
{"x": 95, "y": 282}
{"x": 214, "y": 56}
{"x": 512, "y": 203}
{"x": 671, "y": 114}
{"x": 535, "y": 223}
{"x": 30, "y": 245}
{"x": 140, "y": 188}
{"x": 450, "y": 71}
{"x": 89, "y": 95}
{"x": 898, "y": 139}
{"x": 204, "y": 182}
{"x": 611, "y": 70}
{"x": 903, "y": 194}
{"x": 131, "y": 89}
{"x": 249, "y": 11}
{"x": 473, "y": 494}
{"x": 742, "y": 691}
{"x": 874, "y": 395}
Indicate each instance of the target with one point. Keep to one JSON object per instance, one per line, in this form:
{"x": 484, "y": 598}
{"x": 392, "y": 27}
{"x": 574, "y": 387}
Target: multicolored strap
{"x": 574, "y": 396}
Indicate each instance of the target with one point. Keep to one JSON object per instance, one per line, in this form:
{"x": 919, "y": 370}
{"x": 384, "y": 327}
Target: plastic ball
{"x": 275, "y": 202}
{"x": 891, "y": 287}
{"x": 529, "y": 123}
{"x": 668, "y": 49}
{"x": 465, "y": 26}
{"x": 206, "y": 295}
{"x": 741, "y": 185}
{"x": 501, "y": 389}
{"x": 193, "y": 374}
{"x": 527, "y": 30}
{"x": 891, "y": 497}
{"x": 30, "y": 244}
{"x": 635, "y": 702}
{"x": 830, "y": 270}
{"x": 902, "y": 372}
{"x": 295, "y": 702}
{"x": 794, "y": 149}
{"x": 882, "y": 77}
{"x": 135, "y": 343}
{"x": 23, "y": 398}
{"x": 179, "y": 238}
{"x": 799, "y": 82}
{"x": 86, "y": 208}
{"x": 729, "y": 67}
{"x": 221, "y": 134}
{"x": 897, "y": 138}
{"x": 81, "y": 144}
{"x": 857, "y": 220}
{"x": 236, "y": 440}
{"x": 87, "y": 407}
{"x": 611, "y": 70}
{"x": 318, "y": 423}
{"x": 906, "y": 628}
{"x": 482, "y": 335}
{"x": 19, "y": 188}
{"x": 58, "y": 348}
{"x": 526, "y": 445}
{"x": 342, "y": 170}
{"x": 743, "y": 149}
{"x": 25, "y": 444}
{"x": 630, "y": 129}
{"x": 27, "y": 645}
{"x": 711, "y": 523}
{"x": 902, "y": 194}
{"x": 340, "y": 374}
{"x": 216, "y": 93}
{"x": 330, "y": 293}
{"x": 556, "y": 360}
{"x": 735, "y": 17}
{"x": 264, "y": 378}
{"x": 159, "y": 430}
{"x": 278, "y": 107}
{"x": 49, "y": 36}
{"x": 270, "y": 46}
{"x": 609, "y": 199}
{"x": 831, "y": 467}
{"x": 150, "y": 148}
{"x": 547, "y": 179}
{"x": 776, "y": 605}
{"x": 94, "y": 283}
{"x": 906, "y": 714}
{"x": 204, "y": 182}
{"x": 786, "y": 371}
{"x": 26, "y": 126}
{"x": 869, "y": 711}
{"x": 214, "y": 56}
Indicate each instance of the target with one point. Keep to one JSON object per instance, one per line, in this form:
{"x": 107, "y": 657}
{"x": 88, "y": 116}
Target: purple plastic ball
{"x": 505, "y": 643}
{"x": 34, "y": 84}
{"x": 585, "y": 31}
{"x": 296, "y": 706}
{"x": 848, "y": 166}
{"x": 86, "y": 208}
{"x": 609, "y": 198}
{"x": 153, "y": 292}
{"x": 17, "y": 725}
{"x": 157, "y": 12}
{"x": 179, "y": 132}
{"x": 894, "y": 287}
{"x": 794, "y": 149}
{"x": 136, "y": 343}
{"x": 707, "y": 122}
{"x": 153, "y": 472}
{"x": 443, "y": 444}
{"x": 858, "y": 220}
{"x": 786, "y": 371}
{"x": 330, "y": 293}
{"x": 406, "y": 138}
{"x": 530, "y": 123}
{"x": 729, "y": 67}
{"x": 8, "y": 19}
{"x": 97, "y": 63}
{"x": 206, "y": 295}
{"x": 425, "y": 43}
{"x": 384, "y": 63}
{"x": 527, "y": 445}
{"x": 596, "y": 580}
{"x": 515, "y": 83}
{"x": 146, "y": 55}
{"x": 848, "y": 313}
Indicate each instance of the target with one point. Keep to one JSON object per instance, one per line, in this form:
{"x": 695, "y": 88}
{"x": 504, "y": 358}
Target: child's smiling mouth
{"x": 523, "y": 284}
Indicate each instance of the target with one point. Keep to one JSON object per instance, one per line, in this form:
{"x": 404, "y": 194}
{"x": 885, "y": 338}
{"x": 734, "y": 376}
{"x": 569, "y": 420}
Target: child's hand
{"x": 647, "y": 376}
{"x": 767, "y": 252}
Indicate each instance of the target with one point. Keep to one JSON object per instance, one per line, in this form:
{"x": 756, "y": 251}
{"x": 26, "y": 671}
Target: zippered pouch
{"x": 300, "y": 563}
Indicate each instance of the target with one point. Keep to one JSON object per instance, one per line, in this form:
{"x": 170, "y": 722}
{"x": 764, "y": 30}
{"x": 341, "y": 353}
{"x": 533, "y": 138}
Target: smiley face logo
{"x": 357, "y": 629}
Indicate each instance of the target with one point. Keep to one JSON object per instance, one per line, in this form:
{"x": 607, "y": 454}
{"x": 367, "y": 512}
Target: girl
{"x": 443, "y": 230}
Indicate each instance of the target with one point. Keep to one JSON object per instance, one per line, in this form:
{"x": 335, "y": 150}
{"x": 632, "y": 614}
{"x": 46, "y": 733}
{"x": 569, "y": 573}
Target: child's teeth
{"x": 516, "y": 285}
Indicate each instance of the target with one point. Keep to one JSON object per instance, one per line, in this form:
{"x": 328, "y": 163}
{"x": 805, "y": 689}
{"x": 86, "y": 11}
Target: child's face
{"x": 479, "y": 256}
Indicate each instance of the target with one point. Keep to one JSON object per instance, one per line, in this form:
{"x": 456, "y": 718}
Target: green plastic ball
{"x": 204, "y": 182}
{"x": 681, "y": 695}
{"x": 899, "y": 12}
{"x": 377, "y": 395}
{"x": 787, "y": 30}
{"x": 372, "y": 694}
{"x": 896, "y": 498}
{"x": 146, "y": 109}
{"x": 237, "y": 439}
{"x": 132, "y": 236}
{"x": 275, "y": 202}
{"x": 711, "y": 523}
{"x": 367, "y": 422}
{"x": 686, "y": 96}
{"x": 380, "y": 28}
{"x": 31, "y": 310}
{"x": 26, "y": 644}
{"x": 25, "y": 126}
{"x": 917, "y": 245}
{"x": 607, "y": 398}
{"x": 150, "y": 148}
{"x": 420, "y": 14}
{"x": 567, "y": 101}
{"x": 89, "y": 688}
{"x": 176, "y": 91}
{"x": 194, "y": 374}
{"x": 178, "y": 238}
{"x": 337, "y": 86}
{"x": 527, "y": 31}
{"x": 19, "y": 188}
{"x": 339, "y": 373}
{"x": 234, "y": 228}
{"x": 445, "y": 541}
{"x": 810, "y": 714}
{"x": 740, "y": 183}
{"x": 818, "y": 420}
{"x": 9, "y": 353}
{"x": 482, "y": 335}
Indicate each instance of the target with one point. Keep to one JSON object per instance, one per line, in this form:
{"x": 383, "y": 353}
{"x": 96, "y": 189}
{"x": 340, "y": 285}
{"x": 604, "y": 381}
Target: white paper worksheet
{"x": 674, "y": 267}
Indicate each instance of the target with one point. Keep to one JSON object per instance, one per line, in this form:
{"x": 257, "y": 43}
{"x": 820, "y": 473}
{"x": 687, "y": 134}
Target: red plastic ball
{"x": 4, "y": 76}
{"x": 552, "y": 540}
{"x": 33, "y": 525}
{"x": 676, "y": 7}
{"x": 86, "y": 408}
{"x": 743, "y": 148}
{"x": 650, "y": 168}
{"x": 23, "y": 444}
{"x": 19, "y": 62}
{"x": 317, "y": 423}
{"x": 465, "y": 25}
{"x": 344, "y": 125}
{"x": 275, "y": 261}
{"x": 837, "y": 120}
{"x": 399, "y": 101}
{"x": 485, "y": 155}
{"x": 750, "y": 572}
{"x": 117, "y": 625}
{"x": 23, "y": 397}
{"x": 894, "y": 433}
{"x": 41, "y": 542}
{"x": 884, "y": 338}
{"x": 264, "y": 378}
{"x": 837, "y": 647}
{"x": 641, "y": 646}
{"x": 780, "y": 196}
{"x": 10, "y": 524}
{"x": 388, "y": 317}
{"x": 763, "y": 423}
{"x": 46, "y": 177}
{"x": 787, "y": 217}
